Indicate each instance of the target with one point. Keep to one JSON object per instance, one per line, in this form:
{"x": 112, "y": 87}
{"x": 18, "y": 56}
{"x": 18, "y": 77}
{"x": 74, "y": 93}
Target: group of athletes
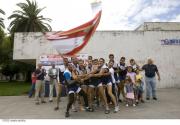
{"x": 95, "y": 81}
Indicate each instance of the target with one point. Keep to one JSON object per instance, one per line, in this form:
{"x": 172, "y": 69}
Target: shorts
{"x": 116, "y": 77}
{"x": 86, "y": 82}
{"x": 106, "y": 81}
{"x": 109, "y": 84}
{"x": 74, "y": 89}
{"x": 122, "y": 78}
{"x": 94, "y": 82}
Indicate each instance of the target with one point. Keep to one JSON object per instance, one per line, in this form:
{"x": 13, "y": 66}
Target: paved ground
{"x": 21, "y": 107}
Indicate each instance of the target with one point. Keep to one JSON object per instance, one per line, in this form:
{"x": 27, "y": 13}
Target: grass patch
{"x": 14, "y": 88}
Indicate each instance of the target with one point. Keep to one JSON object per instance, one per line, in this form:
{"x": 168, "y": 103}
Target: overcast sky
{"x": 116, "y": 14}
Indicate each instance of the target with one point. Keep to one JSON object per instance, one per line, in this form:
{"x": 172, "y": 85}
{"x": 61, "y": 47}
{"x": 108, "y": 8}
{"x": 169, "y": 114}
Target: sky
{"x": 116, "y": 14}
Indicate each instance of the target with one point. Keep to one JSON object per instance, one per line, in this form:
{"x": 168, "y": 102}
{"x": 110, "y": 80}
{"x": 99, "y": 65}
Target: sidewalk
{"x": 21, "y": 107}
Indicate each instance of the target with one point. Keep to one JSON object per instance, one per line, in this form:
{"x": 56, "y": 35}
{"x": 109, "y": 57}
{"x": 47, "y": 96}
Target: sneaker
{"x": 127, "y": 105}
{"x": 37, "y": 103}
{"x": 116, "y": 109}
{"x": 137, "y": 102}
{"x": 43, "y": 101}
{"x": 154, "y": 98}
{"x": 142, "y": 101}
{"x": 88, "y": 109}
{"x": 134, "y": 105}
{"x": 120, "y": 100}
{"x": 82, "y": 108}
{"x": 107, "y": 111}
{"x": 50, "y": 100}
{"x": 67, "y": 114}
{"x": 91, "y": 109}
{"x": 56, "y": 108}
{"x": 74, "y": 109}
{"x": 147, "y": 98}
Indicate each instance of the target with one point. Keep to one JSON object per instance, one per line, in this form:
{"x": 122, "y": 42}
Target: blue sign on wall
{"x": 170, "y": 42}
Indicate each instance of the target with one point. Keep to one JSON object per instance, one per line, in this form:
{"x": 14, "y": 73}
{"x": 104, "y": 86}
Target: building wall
{"x": 159, "y": 26}
{"x": 139, "y": 45}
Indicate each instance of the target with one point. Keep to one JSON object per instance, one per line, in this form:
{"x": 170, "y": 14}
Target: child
{"x": 129, "y": 92}
{"x": 131, "y": 74}
{"x": 134, "y": 65}
{"x": 139, "y": 86}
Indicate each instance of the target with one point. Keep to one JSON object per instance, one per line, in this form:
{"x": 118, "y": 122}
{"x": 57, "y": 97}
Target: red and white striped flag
{"x": 72, "y": 41}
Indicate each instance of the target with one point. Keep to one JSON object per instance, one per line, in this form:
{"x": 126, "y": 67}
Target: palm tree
{"x": 28, "y": 19}
{"x": 1, "y": 19}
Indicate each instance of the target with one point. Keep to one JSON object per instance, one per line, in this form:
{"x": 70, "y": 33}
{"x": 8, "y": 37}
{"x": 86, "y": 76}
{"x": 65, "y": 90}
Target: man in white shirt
{"x": 54, "y": 80}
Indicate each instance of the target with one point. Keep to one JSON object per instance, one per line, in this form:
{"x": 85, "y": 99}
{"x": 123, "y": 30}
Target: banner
{"x": 48, "y": 60}
{"x": 72, "y": 41}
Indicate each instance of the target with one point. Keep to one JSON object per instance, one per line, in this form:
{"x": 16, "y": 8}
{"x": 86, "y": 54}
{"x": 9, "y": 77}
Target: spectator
{"x": 33, "y": 79}
{"x": 131, "y": 74}
{"x": 129, "y": 92}
{"x": 150, "y": 70}
{"x": 134, "y": 65}
{"x": 54, "y": 80}
{"x": 40, "y": 85}
{"x": 139, "y": 86}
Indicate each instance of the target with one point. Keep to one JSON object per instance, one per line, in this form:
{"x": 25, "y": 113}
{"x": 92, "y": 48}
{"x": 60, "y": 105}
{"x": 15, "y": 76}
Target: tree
{"x": 10, "y": 69}
{"x": 1, "y": 26}
{"x": 1, "y": 19}
{"x": 28, "y": 19}
{"x": 8, "y": 66}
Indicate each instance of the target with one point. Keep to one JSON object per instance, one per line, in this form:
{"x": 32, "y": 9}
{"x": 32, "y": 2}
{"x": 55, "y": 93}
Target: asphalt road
{"x": 21, "y": 107}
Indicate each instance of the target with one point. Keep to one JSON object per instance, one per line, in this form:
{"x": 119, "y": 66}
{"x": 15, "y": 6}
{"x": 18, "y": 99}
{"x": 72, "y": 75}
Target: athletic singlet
{"x": 105, "y": 79}
{"x": 88, "y": 69}
{"x": 83, "y": 71}
{"x": 68, "y": 76}
{"x": 95, "y": 80}
{"x": 123, "y": 71}
{"x": 115, "y": 67}
{"x": 111, "y": 70}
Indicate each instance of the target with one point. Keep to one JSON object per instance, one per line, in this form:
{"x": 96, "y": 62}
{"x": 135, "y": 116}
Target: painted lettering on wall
{"x": 170, "y": 42}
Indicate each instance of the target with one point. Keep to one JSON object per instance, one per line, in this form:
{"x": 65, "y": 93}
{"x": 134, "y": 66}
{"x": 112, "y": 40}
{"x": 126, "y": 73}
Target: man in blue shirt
{"x": 150, "y": 71}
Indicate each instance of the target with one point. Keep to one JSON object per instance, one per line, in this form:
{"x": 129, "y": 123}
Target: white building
{"x": 159, "y": 41}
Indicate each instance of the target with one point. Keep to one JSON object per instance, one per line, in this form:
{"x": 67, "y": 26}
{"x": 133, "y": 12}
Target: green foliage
{"x": 1, "y": 19}
{"x": 10, "y": 69}
{"x": 14, "y": 88}
{"x": 6, "y": 51}
{"x": 28, "y": 19}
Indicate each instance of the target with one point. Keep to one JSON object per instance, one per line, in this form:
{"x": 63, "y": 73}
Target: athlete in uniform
{"x": 72, "y": 81}
{"x": 106, "y": 81}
